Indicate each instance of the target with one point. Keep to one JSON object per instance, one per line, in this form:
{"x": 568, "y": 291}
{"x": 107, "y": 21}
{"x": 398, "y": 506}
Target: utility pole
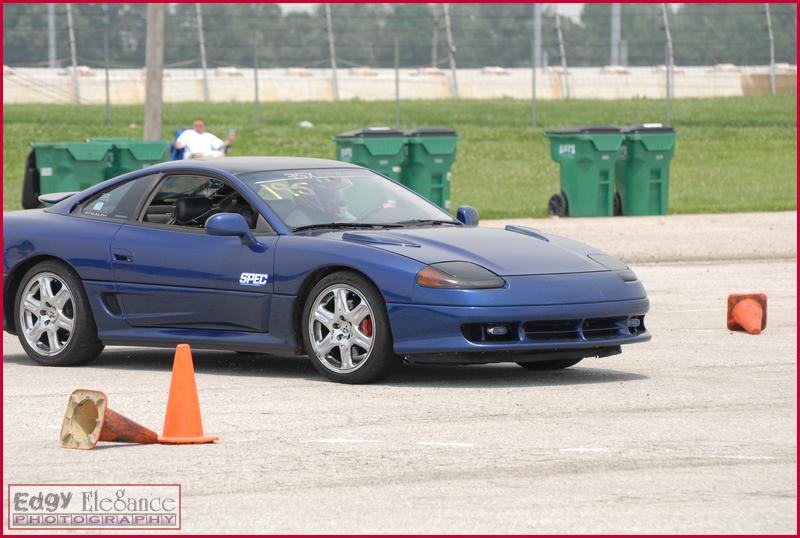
{"x": 332, "y": 50}
{"x": 202, "y": 40}
{"x": 451, "y": 49}
{"x": 51, "y": 36}
{"x": 536, "y": 56}
{"x": 396, "y": 83}
{"x": 670, "y": 64}
{"x": 564, "y": 74}
{"x": 771, "y": 51}
{"x": 74, "y": 56}
{"x": 616, "y": 33}
{"x": 435, "y": 37}
{"x": 106, "y": 23}
{"x": 154, "y": 72}
{"x": 255, "y": 80}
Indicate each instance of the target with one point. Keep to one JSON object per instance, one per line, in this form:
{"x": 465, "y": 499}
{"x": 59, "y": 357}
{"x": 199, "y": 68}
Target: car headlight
{"x": 458, "y": 275}
{"x": 614, "y": 264}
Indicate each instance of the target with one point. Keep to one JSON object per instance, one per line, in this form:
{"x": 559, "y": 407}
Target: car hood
{"x": 506, "y": 252}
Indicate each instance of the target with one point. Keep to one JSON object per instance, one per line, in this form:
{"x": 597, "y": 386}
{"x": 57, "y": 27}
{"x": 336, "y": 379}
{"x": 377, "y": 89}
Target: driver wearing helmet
{"x": 322, "y": 202}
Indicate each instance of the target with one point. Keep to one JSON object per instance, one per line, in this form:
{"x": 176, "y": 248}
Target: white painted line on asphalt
{"x": 591, "y": 449}
{"x": 343, "y": 441}
{"x": 445, "y": 443}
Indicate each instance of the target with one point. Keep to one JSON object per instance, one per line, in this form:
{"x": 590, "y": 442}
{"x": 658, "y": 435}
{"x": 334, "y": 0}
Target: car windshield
{"x": 343, "y": 197}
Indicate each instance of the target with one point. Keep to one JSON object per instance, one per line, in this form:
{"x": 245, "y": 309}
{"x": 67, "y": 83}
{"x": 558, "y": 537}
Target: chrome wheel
{"x": 341, "y": 328}
{"x": 47, "y": 314}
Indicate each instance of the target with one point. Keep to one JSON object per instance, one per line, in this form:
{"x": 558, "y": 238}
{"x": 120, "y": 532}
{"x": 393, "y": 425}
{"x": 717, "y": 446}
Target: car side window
{"x": 188, "y": 201}
{"x": 118, "y": 202}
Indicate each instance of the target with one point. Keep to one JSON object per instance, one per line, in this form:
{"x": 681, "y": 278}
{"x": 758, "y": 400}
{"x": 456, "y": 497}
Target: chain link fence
{"x": 93, "y": 53}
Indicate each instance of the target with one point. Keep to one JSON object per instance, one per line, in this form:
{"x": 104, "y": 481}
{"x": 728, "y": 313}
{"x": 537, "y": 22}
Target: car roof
{"x": 243, "y": 165}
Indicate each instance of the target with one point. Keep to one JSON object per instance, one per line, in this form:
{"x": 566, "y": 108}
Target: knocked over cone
{"x": 747, "y": 312}
{"x": 89, "y": 420}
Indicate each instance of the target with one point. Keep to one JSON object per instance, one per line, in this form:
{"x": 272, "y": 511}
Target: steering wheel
{"x": 228, "y": 202}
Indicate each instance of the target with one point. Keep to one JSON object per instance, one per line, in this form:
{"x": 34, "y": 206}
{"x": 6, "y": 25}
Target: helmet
{"x": 326, "y": 194}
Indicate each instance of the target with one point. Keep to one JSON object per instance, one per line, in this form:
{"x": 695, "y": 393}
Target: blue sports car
{"x": 306, "y": 256}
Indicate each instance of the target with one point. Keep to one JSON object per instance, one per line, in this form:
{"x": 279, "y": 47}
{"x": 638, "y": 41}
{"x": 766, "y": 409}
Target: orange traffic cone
{"x": 89, "y": 420}
{"x": 183, "y": 424}
{"x": 747, "y": 312}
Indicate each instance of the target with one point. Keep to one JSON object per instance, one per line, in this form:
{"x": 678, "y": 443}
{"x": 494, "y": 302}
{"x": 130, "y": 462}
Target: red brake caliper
{"x": 366, "y": 326}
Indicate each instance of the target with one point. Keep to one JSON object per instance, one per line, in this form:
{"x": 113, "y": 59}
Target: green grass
{"x": 733, "y": 154}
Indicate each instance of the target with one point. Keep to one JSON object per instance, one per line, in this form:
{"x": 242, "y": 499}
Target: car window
{"x": 189, "y": 200}
{"x": 118, "y": 202}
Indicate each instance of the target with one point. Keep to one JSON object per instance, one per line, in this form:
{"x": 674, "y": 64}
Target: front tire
{"x": 550, "y": 365}
{"x": 54, "y": 320}
{"x": 346, "y": 330}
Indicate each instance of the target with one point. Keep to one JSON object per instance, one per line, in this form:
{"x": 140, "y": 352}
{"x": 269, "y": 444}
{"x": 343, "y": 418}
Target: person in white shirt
{"x": 196, "y": 142}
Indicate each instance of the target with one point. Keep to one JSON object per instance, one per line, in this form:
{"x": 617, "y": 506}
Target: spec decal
{"x": 253, "y": 279}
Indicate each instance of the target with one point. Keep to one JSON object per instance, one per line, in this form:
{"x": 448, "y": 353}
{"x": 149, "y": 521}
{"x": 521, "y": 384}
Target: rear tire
{"x": 550, "y": 365}
{"x": 617, "y": 205}
{"x": 54, "y": 320}
{"x": 558, "y": 205}
{"x": 346, "y": 330}
{"x": 30, "y": 184}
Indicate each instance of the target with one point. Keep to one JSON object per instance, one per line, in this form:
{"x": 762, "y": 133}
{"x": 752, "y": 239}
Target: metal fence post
{"x": 536, "y": 53}
{"x": 202, "y": 43}
{"x": 564, "y": 74}
{"x": 772, "y": 88}
{"x": 73, "y": 56}
{"x": 106, "y": 62}
{"x": 332, "y": 49}
{"x": 396, "y": 83}
{"x": 669, "y": 64}
{"x": 51, "y": 36}
{"x": 255, "y": 80}
{"x": 451, "y": 49}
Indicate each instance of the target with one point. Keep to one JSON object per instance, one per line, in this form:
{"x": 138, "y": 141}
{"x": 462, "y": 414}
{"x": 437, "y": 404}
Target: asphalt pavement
{"x": 693, "y": 432}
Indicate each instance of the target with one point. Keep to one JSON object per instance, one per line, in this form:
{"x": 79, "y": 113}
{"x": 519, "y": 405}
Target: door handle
{"x": 119, "y": 255}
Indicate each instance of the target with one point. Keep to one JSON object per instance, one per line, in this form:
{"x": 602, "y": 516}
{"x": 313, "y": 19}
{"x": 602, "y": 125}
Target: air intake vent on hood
{"x": 526, "y": 231}
{"x": 377, "y": 239}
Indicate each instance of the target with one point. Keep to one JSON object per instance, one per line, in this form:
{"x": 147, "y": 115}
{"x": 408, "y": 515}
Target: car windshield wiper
{"x": 356, "y": 225}
{"x": 428, "y": 222}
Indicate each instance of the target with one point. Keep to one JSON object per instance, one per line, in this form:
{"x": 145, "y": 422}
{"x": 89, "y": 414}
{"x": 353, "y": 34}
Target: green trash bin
{"x": 642, "y": 171}
{"x": 430, "y": 154}
{"x": 378, "y": 148}
{"x": 64, "y": 167}
{"x": 587, "y": 156}
{"x": 129, "y": 154}
{"x": 133, "y": 155}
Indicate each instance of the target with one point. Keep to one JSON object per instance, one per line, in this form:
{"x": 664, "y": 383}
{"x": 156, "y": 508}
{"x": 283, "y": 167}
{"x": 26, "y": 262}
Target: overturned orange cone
{"x": 183, "y": 424}
{"x": 89, "y": 420}
{"x": 747, "y": 312}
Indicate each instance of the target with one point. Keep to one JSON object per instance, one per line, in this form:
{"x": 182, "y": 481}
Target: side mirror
{"x": 468, "y": 216}
{"x": 231, "y": 224}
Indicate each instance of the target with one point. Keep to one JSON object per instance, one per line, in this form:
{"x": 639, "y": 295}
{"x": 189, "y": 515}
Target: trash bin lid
{"x": 370, "y": 131}
{"x": 431, "y": 131}
{"x": 647, "y": 128}
{"x": 600, "y": 129}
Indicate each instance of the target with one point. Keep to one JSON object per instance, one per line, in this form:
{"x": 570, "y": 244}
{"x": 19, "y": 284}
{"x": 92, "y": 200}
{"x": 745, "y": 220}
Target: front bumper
{"x": 434, "y": 329}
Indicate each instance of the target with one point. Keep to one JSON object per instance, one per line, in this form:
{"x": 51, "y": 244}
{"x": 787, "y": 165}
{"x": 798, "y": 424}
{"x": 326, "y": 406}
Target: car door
{"x": 170, "y": 273}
